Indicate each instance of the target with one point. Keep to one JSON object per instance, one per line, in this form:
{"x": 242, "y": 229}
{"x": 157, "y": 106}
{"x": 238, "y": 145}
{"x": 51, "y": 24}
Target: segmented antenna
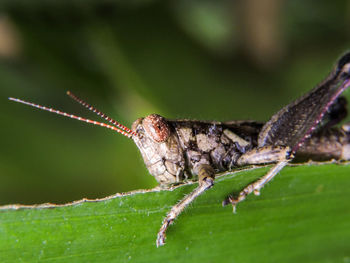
{"x": 129, "y": 135}
{"x": 99, "y": 113}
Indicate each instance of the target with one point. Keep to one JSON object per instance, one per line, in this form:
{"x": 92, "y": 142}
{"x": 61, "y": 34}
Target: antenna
{"x": 125, "y": 133}
{"x": 99, "y": 113}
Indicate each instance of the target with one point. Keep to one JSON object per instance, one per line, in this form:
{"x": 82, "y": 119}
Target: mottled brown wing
{"x": 295, "y": 122}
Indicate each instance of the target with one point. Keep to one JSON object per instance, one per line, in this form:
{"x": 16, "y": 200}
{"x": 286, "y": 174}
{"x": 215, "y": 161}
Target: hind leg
{"x": 328, "y": 144}
{"x": 346, "y": 147}
{"x": 336, "y": 113}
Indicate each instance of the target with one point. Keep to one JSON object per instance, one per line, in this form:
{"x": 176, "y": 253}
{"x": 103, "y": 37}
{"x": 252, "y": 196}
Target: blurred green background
{"x": 213, "y": 60}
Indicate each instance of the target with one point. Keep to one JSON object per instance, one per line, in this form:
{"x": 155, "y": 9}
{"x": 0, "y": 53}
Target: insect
{"x": 176, "y": 150}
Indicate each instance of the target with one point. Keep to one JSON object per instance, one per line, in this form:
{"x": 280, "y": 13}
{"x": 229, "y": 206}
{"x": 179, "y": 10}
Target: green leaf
{"x": 303, "y": 215}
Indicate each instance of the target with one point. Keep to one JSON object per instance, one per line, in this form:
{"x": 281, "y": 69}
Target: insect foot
{"x": 254, "y": 187}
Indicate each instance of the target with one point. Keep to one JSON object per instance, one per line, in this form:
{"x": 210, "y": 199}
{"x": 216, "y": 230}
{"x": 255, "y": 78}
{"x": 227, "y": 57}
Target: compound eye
{"x": 156, "y": 127}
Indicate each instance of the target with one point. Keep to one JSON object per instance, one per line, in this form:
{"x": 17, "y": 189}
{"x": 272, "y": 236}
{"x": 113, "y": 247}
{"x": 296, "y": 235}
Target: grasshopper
{"x": 179, "y": 150}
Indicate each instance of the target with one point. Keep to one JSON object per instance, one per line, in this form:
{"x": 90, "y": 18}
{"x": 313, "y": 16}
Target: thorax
{"x": 215, "y": 143}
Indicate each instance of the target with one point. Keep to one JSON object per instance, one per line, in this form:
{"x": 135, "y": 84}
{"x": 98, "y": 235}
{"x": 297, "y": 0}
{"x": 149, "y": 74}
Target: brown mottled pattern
{"x": 220, "y": 145}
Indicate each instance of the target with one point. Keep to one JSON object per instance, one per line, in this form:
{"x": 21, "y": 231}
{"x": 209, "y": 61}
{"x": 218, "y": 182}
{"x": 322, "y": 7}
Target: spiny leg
{"x": 206, "y": 180}
{"x": 294, "y": 124}
{"x": 326, "y": 144}
{"x": 335, "y": 114}
{"x": 266, "y": 154}
{"x": 346, "y": 148}
{"x": 256, "y": 186}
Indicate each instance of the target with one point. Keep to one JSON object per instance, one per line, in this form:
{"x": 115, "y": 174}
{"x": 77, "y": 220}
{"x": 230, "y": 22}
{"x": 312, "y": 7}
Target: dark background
{"x": 213, "y": 60}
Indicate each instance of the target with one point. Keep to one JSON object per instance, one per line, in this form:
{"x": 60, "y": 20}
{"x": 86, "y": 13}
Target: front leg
{"x": 266, "y": 154}
{"x": 206, "y": 176}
